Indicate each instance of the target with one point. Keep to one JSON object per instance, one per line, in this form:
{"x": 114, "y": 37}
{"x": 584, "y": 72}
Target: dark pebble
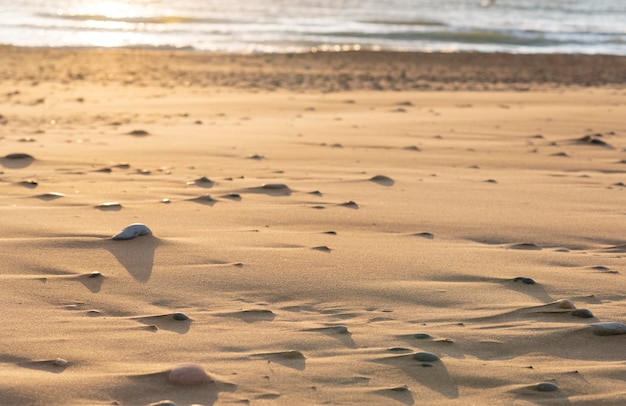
{"x": 547, "y": 387}
{"x": 398, "y": 349}
{"x": 180, "y": 316}
{"x": 425, "y": 357}
{"x": 422, "y": 336}
{"x": 527, "y": 281}
{"x": 608, "y": 328}
{"x": 582, "y": 313}
{"x": 139, "y": 133}
{"x": 18, "y": 155}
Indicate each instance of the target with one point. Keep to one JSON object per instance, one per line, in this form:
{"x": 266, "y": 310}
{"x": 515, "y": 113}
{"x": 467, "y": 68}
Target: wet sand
{"x": 342, "y": 228}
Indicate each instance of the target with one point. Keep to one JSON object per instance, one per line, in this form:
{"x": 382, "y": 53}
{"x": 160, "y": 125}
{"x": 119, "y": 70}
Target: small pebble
{"x": 187, "y": 374}
{"x": 351, "y": 204}
{"x": 59, "y": 362}
{"x": 132, "y": 231}
{"x": 547, "y": 387}
{"x": 95, "y": 274}
{"x": 527, "y": 281}
{"x": 398, "y": 349}
{"x": 274, "y": 186}
{"x": 109, "y": 205}
{"x": 93, "y": 313}
{"x": 582, "y": 313}
{"x": 422, "y": 336}
{"x": 139, "y": 133}
{"x": 425, "y": 357}
{"x": 382, "y": 180}
{"x": 608, "y": 328}
{"x": 18, "y": 155}
{"x": 565, "y": 304}
{"x": 180, "y": 316}
{"x": 163, "y": 403}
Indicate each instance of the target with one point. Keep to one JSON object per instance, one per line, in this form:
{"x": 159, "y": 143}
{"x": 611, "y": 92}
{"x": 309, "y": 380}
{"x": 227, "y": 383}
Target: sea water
{"x": 512, "y": 26}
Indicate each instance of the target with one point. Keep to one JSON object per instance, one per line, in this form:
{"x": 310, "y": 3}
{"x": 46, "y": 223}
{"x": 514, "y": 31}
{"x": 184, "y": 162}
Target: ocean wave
{"x": 417, "y": 22}
{"x": 163, "y": 19}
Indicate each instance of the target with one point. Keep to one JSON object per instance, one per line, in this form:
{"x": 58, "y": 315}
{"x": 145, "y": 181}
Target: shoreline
{"x": 321, "y": 71}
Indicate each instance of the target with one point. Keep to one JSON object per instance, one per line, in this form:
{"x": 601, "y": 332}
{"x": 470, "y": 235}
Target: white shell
{"x": 132, "y": 231}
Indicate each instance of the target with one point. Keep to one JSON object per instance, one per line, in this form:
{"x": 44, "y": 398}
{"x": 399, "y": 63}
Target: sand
{"x": 347, "y": 228}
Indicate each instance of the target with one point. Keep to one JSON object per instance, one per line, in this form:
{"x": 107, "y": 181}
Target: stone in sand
{"x": 382, "y": 180}
{"x": 139, "y": 133}
{"x": 582, "y": 313}
{"x": 180, "y": 316}
{"x": 350, "y": 204}
{"x": 163, "y": 403}
{"x": 527, "y": 281}
{"x": 525, "y": 246}
{"x": 59, "y": 362}
{"x": 109, "y": 205}
{"x": 18, "y": 155}
{"x": 424, "y": 356}
{"x": 132, "y": 231}
{"x": 547, "y": 387}
{"x": 422, "y": 336}
{"x": 187, "y": 374}
{"x": 608, "y": 328}
{"x": 275, "y": 186}
{"x": 565, "y": 304}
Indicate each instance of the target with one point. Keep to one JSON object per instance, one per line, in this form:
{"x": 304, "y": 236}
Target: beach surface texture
{"x": 342, "y": 228}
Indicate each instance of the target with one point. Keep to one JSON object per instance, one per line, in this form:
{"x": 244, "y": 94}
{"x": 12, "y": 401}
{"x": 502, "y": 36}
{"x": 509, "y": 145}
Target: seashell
{"x": 132, "y": 231}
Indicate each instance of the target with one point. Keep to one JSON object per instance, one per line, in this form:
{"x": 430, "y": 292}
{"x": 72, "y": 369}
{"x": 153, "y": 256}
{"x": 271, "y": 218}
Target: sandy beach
{"x": 333, "y": 228}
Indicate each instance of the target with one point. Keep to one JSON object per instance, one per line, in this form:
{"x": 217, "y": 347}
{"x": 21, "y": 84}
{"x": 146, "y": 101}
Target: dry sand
{"x": 347, "y": 229}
